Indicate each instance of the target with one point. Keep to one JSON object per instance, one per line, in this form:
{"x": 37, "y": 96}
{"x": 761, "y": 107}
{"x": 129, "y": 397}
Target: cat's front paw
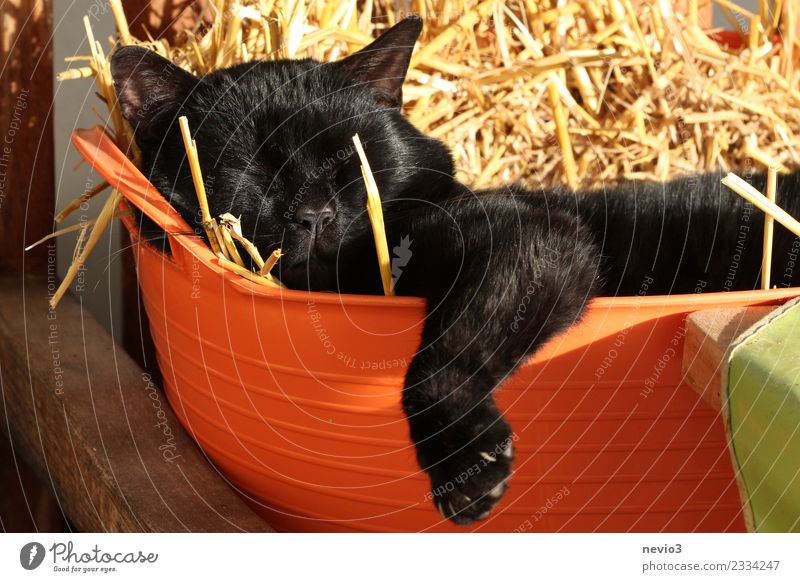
{"x": 466, "y": 484}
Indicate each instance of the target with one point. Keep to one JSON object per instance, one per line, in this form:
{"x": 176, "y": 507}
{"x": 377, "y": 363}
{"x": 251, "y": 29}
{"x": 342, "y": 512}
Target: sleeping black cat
{"x": 275, "y": 148}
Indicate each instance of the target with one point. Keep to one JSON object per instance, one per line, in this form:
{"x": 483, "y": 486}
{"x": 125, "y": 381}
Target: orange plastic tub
{"x": 295, "y": 396}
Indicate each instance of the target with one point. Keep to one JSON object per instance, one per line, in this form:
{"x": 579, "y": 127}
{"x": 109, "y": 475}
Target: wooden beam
{"x": 709, "y": 333}
{"x": 92, "y": 424}
{"x": 27, "y": 198}
{"x": 27, "y": 181}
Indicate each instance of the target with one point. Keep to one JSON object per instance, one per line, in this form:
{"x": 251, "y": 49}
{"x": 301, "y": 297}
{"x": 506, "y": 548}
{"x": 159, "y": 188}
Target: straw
{"x": 249, "y": 275}
{"x": 789, "y": 38}
{"x": 562, "y": 133}
{"x": 375, "y": 212}
{"x": 231, "y": 228}
{"x": 59, "y": 232}
{"x": 762, "y": 158}
{"x": 79, "y": 73}
{"x": 761, "y": 202}
{"x": 102, "y": 220}
{"x": 121, "y": 21}
{"x": 83, "y": 198}
{"x": 124, "y": 136}
{"x": 479, "y": 56}
{"x": 221, "y": 238}
{"x": 84, "y": 225}
{"x": 270, "y": 263}
{"x": 769, "y": 228}
{"x": 209, "y": 224}
{"x": 230, "y": 246}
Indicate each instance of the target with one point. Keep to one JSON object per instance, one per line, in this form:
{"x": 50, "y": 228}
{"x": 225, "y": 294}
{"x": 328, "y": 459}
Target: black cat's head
{"x": 275, "y": 145}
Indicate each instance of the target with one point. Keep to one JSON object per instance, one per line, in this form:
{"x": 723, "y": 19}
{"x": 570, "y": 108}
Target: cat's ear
{"x": 382, "y": 64}
{"x": 148, "y": 84}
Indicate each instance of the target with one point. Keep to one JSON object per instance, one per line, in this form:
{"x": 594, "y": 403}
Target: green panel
{"x": 763, "y": 389}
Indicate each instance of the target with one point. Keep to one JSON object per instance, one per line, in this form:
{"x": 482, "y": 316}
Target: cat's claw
{"x": 476, "y": 484}
{"x": 462, "y": 510}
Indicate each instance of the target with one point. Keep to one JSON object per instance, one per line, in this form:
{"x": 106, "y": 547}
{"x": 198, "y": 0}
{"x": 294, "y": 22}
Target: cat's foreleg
{"x": 501, "y": 277}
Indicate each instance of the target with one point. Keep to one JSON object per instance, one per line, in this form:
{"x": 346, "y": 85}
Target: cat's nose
{"x": 314, "y": 218}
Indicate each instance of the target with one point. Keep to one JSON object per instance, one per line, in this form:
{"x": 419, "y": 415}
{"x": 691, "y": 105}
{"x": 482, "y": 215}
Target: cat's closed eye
{"x": 342, "y": 165}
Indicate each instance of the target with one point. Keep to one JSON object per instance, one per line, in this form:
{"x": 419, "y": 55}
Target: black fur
{"x": 503, "y": 270}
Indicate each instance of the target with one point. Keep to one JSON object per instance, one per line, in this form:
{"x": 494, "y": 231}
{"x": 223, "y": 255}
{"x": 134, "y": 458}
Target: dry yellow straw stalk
{"x": 83, "y": 226}
{"x": 375, "y": 212}
{"x": 769, "y": 223}
{"x": 209, "y": 224}
{"x": 249, "y": 275}
{"x": 230, "y": 247}
{"x": 761, "y": 202}
{"x": 79, "y": 226}
{"x": 769, "y": 229}
{"x": 121, "y": 21}
{"x": 221, "y": 238}
{"x": 105, "y": 216}
{"x": 270, "y": 263}
{"x": 124, "y": 135}
{"x": 562, "y": 132}
{"x": 231, "y": 229}
{"x": 85, "y": 197}
{"x": 231, "y": 226}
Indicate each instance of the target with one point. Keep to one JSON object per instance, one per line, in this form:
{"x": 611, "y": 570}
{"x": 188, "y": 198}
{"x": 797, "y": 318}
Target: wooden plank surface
{"x": 94, "y": 427}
